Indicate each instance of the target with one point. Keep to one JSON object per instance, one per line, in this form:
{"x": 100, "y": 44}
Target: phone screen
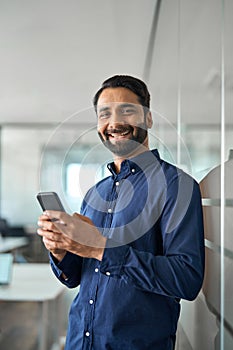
{"x": 50, "y": 201}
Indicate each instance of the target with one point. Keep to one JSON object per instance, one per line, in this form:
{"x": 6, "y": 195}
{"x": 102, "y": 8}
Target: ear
{"x": 149, "y": 120}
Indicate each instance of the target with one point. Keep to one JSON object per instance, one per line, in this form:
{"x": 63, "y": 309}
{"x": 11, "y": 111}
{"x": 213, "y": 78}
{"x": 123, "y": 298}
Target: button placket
{"x": 91, "y": 301}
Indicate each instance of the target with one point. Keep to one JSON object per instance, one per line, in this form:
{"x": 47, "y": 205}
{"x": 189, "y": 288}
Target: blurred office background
{"x": 54, "y": 55}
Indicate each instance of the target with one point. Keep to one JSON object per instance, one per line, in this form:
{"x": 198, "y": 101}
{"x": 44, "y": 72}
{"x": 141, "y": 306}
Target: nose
{"x": 115, "y": 119}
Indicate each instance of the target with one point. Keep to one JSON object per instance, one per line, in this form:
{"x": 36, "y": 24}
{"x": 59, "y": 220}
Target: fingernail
{"x": 62, "y": 223}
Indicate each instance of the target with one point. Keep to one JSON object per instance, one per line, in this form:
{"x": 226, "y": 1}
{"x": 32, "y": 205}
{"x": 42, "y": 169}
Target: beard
{"x": 127, "y": 146}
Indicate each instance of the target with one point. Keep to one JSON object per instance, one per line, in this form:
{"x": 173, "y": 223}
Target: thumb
{"x": 83, "y": 218}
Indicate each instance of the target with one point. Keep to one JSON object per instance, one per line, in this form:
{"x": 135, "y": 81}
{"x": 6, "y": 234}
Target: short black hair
{"x": 136, "y": 85}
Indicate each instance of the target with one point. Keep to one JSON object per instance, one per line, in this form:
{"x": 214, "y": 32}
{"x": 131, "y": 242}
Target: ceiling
{"x": 54, "y": 54}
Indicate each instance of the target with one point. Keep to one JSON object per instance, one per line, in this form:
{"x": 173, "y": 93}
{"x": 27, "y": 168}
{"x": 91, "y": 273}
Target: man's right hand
{"x": 51, "y": 237}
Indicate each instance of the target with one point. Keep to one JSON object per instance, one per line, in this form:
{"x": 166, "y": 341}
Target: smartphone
{"x": 50, "y": 201}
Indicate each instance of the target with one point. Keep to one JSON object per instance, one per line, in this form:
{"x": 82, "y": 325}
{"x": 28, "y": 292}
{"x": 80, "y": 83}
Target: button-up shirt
{"x": 151, "y": 214}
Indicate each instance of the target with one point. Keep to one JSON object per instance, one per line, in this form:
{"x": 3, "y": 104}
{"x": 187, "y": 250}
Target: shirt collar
{"x": 135, "y": 164}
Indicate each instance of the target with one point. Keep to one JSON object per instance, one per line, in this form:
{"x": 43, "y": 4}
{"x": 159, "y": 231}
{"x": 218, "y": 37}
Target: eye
{"x": 128, "y": 110}
{"x": 104, "y": 115}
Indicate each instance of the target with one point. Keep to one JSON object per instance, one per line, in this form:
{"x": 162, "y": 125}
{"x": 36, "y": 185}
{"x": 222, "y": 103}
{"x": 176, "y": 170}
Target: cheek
{"x": 101, "y": 126}
{"x": 136, "y": 121}
{"x": 101, "y": 134}
{"x": 100, "y": 130}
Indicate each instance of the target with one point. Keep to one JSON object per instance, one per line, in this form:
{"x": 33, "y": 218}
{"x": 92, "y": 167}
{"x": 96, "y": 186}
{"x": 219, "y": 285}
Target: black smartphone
{"x": 50, "y": 201}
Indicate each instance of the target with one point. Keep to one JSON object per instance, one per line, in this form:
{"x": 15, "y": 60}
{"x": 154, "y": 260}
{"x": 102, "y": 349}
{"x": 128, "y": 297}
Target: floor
{"x": 20, "y": 324}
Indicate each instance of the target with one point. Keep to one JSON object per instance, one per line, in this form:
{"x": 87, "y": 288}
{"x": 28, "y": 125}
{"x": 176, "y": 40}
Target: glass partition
{"x": 202, "y": 139}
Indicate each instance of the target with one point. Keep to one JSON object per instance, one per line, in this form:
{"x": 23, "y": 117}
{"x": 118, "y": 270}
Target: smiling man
{"x": 122, "y": 122}
{"x": 137, "y": 247}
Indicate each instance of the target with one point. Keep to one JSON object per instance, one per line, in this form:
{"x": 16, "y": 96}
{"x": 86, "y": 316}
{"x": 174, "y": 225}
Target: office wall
{"x": 21, "y": 153}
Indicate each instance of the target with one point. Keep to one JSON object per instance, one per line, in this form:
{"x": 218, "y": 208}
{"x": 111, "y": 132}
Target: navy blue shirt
{"x": 151, "y": 214}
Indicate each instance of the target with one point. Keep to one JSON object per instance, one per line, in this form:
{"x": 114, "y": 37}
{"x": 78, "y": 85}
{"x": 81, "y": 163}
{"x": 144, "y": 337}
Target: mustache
{"x": 119, "y": 129}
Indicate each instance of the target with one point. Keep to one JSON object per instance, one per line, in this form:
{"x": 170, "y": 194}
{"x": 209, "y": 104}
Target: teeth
{"x": 115, "y": 134}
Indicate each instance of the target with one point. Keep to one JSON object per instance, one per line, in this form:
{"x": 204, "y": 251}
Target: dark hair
{"x": 136, "y": 85}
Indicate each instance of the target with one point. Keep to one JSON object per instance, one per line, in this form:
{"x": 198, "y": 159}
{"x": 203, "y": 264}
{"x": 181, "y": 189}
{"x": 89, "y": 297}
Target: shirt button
{"x": 117, "y": 183}
{"x": 91, "y": 301}
{"x": 108, "y": 273}
{"x": 96, "y": 269}
{"x": 87, "y": 334}
{"x": 133, "y": 170}
{"x": 109, "y": 210}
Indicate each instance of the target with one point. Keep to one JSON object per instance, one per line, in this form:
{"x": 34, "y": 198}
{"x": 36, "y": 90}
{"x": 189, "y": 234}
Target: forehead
{"x": 118, "y": 94}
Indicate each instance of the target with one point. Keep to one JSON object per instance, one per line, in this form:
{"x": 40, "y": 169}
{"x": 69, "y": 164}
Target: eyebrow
{"x": 121, "y": 105}
{"x": 125, "y": 105}
{"x": 103, "y": 109}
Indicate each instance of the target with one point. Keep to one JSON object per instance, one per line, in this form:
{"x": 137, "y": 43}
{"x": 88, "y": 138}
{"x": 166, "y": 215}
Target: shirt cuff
{"x": 64, "y": 266}
{"x": 113, "y": 258}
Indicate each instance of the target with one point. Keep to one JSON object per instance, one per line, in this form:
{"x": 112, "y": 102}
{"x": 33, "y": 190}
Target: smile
{"x": 118, "y": 133}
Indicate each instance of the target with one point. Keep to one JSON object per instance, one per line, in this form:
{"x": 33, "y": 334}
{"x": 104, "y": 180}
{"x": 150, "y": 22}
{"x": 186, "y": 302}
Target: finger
{"x": 43, "y": 217}
{"x": 55, "y": 215}
{"x": 47, "y": 228}
{"x": 43, "y": 232}
{"x": 51, "y": 237}
{"x": 47, "y": 225}
{"x": 42, "y": 222}
{"x": 51, "y": 245}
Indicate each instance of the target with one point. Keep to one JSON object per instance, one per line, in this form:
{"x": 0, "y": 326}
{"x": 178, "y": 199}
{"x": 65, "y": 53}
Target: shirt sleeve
{"x": 179, "y": 271}
{"x": 70, "y": 266}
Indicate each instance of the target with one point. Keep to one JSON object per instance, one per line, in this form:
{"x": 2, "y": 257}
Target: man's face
{"x": 122, "y": 124}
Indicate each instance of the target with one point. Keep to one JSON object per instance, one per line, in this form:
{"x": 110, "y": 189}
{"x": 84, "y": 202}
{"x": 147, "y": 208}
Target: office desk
{"x": 36, "y": 283}
{"x": 9, "y": 244}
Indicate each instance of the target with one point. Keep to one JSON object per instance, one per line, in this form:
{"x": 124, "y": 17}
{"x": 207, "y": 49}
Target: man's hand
{"x": 76, "y": 234}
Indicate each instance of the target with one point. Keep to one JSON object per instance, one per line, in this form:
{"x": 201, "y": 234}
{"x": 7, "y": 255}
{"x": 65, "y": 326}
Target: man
{"x": 137, "y": 248}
